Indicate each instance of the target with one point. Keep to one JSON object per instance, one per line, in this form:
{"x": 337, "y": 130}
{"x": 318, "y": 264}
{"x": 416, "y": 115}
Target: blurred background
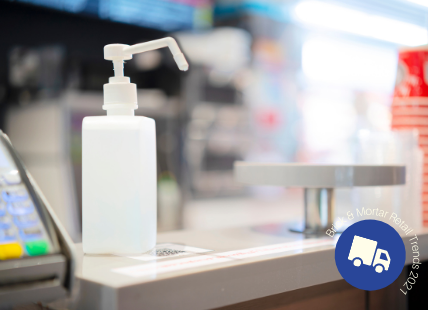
{"x": 269, "y": 81}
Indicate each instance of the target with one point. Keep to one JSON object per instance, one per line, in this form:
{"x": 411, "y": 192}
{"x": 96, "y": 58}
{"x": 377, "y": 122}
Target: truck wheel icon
{"x": 370, "y": 255}
{"x": 379, "y": 268}
{"x": 357, "y": 262}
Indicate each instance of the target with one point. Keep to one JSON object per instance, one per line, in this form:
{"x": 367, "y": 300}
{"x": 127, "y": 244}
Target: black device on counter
{"x": 36, "y": 254}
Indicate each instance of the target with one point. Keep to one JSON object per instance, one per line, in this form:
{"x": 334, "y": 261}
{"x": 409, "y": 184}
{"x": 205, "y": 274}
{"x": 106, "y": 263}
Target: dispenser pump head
{"x": 120, "y": 95}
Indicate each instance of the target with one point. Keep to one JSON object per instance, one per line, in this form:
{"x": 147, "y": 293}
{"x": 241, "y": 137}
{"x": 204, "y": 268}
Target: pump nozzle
{"x": 117, "y": 52}
{"x": 156, "y": 44}
{"x": 119, "y": 93}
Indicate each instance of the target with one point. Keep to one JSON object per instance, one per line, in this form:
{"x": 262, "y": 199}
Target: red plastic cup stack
{"x": 410, "y": 104}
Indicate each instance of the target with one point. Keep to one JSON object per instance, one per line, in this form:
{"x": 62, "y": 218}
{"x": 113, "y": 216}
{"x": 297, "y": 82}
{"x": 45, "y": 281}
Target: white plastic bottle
{"x": 119, "y": 163}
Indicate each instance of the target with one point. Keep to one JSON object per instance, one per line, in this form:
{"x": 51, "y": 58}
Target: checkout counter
{"x": 261, "y": 267}
{"x": 245, "y": 268}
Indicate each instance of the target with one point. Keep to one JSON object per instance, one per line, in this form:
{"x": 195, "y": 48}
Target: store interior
{"x": 277, "y": 81}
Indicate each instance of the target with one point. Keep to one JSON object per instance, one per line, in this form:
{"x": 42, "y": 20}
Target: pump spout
{"x": 120, "y": 52}
{"x": 120, "y": 96}
{"x": 156, "y": 44}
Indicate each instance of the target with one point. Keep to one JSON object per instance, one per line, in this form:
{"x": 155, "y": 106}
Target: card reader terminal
{"x": 22, "y": 232}
{"x": 36, "y": 255}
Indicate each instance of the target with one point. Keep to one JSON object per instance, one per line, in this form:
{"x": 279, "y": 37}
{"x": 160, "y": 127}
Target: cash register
{"x": 37, "y": 258}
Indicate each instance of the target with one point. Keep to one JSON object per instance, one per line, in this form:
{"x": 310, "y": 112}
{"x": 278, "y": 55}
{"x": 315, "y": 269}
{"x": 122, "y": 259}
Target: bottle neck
{"x": 120, "y": 112}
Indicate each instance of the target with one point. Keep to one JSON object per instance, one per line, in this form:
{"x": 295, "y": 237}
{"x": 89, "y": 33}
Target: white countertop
{"x": 245, "y": 263}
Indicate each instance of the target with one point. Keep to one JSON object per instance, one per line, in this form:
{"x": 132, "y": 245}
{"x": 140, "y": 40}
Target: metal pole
{"x": 319, "y": 209}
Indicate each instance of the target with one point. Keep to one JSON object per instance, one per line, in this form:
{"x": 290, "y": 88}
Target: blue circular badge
{"x": 370, "y": 255}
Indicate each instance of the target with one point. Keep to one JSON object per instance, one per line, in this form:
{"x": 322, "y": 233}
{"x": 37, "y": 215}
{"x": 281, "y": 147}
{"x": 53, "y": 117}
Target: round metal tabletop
{"x": 318, "y": 176}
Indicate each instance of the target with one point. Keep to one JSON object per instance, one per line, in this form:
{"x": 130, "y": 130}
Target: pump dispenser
{"x": 119, "y": 163}
{"x": 120, "y": 95}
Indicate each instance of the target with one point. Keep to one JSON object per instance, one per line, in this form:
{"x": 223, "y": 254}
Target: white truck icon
{"x": 363, "y": 250}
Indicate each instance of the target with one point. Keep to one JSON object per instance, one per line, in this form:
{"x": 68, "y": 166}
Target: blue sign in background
{"x": 365, "y": 277}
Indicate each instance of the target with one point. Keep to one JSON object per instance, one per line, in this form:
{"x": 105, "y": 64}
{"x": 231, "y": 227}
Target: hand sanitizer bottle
{"x": 119, "y": 163}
